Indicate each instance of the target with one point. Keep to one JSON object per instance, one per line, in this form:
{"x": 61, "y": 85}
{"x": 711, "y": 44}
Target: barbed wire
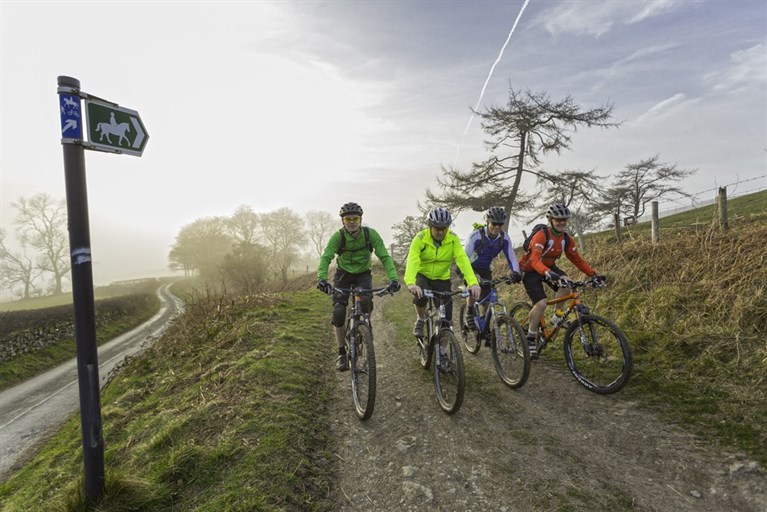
{"x": 685, "y": 205}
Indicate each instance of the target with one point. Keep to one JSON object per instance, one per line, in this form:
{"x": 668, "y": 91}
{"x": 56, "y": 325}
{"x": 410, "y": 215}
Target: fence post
{"x": 617, "y": 220}
{"x": 655, "y": 223}
{"x": 721, "y": 200}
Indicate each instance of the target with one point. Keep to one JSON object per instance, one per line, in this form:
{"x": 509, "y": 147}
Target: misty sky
{"x": 312, "y": 104}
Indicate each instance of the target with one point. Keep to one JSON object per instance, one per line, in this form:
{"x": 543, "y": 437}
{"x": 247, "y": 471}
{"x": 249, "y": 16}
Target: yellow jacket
{"x": 434, "y": 262}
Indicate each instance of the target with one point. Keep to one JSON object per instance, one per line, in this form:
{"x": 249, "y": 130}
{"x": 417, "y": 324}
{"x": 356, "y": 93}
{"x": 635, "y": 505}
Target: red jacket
{"x": 541, "y": 259}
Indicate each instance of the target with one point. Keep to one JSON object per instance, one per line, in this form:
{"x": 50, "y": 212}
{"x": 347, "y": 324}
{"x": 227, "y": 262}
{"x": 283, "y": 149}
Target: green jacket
{"x": 356, "y": 258}
{"x": 434, "y": 262}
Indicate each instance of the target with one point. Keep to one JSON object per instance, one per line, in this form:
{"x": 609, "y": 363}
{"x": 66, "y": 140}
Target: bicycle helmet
{"x": 440, "y": 218}
{"x": 496, "y": 214}
{"x": 350, "y": 209}
{"x": 558, "y": 211}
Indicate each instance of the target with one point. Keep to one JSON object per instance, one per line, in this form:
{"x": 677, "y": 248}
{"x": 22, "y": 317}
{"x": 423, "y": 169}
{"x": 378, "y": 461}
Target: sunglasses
{"x": 497, "y": 224}
{"x": 351, "y": 218}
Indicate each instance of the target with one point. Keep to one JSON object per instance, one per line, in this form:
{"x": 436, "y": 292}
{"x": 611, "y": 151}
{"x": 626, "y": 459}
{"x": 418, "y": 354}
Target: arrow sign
{"x": 69, "y": 107}
{"x": 114, "y": 128}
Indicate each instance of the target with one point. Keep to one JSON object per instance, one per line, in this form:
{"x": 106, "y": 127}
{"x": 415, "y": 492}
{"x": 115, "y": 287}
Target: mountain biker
{"x": 538, "y": 264}
{"x": 483, "y": 245}
{"x": 352, "y": 246}
{"x": 429, "y": 259}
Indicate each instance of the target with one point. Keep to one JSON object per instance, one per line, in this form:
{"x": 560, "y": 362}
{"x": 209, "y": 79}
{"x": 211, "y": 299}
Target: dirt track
{"x": 550, "y": 445}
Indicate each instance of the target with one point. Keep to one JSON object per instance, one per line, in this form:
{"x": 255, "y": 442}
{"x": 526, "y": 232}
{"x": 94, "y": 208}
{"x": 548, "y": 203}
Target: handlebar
{"x": 380, "y": 292}
{"x": 435, "y": 293}
{"x": 583, "y": 284}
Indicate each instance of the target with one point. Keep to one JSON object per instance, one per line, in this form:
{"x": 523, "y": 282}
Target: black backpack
{"x": 482, "y": 237}
{"x": 545, "y": 228}
{"x": 342, "y": 248}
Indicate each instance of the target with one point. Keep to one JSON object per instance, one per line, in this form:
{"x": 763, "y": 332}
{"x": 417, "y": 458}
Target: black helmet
{"x": 496, "y": 214}
{"x": 350, "y": 209}
{"x": 558, "y": 211}
{"x": 440, "y": 218}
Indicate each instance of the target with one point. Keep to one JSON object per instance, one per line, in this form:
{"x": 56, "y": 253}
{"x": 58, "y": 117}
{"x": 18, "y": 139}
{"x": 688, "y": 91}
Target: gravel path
{"x": 548, "y": 446}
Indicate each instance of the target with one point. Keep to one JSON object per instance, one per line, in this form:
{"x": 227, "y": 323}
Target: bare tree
{"x": 530, "y": 126}
{"x": 404, "y": 232}
{"x": 17, "y": 270}
{"x": 284, "y": 235}
{"x": 320, "y": 226}
{"x": 574, "y": 189}
{"x": 201, "y": 246}
{"x": 243, "y": 225}
{"x": 246, "y": 267}
{"x": 41, "y": 223}
{"x": 643, "y": 182}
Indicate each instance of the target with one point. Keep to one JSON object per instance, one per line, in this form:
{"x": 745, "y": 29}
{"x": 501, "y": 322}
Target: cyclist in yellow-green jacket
{"x": 431, "y": 255}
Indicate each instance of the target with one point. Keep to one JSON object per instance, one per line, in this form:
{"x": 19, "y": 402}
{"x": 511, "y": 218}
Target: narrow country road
{"x": 34, "y": 409}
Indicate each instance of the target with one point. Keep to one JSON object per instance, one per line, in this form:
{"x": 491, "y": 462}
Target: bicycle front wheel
{"x": 449, "y": 379}
{"x": 598, "y": 354}
{"x": 363, "y": 372}
{"x": 471, "y": 339}
{"x": 511, "y": 354}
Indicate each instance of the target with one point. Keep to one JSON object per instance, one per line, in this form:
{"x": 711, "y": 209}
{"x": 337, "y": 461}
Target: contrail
{"x": 490, "y": 74}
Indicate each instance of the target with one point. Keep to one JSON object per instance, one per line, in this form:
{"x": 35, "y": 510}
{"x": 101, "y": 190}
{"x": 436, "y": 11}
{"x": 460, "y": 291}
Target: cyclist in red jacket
{"x": 539, "y": 264}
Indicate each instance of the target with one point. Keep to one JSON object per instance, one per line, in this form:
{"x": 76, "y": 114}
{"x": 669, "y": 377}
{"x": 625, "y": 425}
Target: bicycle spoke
{"x": 511, "y": 355}
{"x": 449, "y": 379}
{"x": 363, "y": 372}
{"x": 598, "y": 355}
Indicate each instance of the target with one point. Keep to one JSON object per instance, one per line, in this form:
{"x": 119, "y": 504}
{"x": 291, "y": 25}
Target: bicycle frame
{"x": 550, "y": 332}
{"x": 484, "y": 321}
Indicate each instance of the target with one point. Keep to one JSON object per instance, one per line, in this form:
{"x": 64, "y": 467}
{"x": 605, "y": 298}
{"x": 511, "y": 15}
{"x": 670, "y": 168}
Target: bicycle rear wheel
{"x": 424, "y": 346}
{"x": 449, "y": 379}
{"x": 511, "y": 354}
{"x": 471, "y": 339}
{"x": 598, "y": 354}
{"x": 363, "y": 372}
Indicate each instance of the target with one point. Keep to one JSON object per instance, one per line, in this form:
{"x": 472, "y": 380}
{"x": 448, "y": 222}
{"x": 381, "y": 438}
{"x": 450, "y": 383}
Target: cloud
{"x": 663, "y": 108}
{"x": 585, "y": 17}
{"x": 746, "y": 69}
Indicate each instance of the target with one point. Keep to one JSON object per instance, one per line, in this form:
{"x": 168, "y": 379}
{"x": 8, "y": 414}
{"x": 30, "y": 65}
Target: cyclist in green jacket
{"x": 431, "y": 255}
{"x": 353, "y": 246}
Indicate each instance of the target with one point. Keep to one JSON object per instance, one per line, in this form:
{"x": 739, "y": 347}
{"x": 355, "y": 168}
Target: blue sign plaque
{"x": 71, "y": 116}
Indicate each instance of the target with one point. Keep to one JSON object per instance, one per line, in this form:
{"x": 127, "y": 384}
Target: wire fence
{"x": 696, "y": 200}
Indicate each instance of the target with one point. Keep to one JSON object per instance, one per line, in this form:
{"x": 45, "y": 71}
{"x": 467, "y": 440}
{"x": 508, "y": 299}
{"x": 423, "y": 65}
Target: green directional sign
{"x": 114, "y": 128}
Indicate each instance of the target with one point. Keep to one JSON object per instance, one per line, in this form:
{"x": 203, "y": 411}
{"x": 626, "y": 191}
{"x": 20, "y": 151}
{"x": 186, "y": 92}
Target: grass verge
{"x": 227, "y": 411}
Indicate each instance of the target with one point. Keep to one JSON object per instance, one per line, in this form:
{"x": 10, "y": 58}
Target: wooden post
{"x": 655, "y": 223}
{"x": 721, "y": 200}
{"x": 617, "y": 220}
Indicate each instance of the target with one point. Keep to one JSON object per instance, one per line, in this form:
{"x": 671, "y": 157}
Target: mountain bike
{"x": 501, "y": 332}
{"x": 360, "y": 350}
{"x": 440, "y": 346}
{"x": 596, "y": 350}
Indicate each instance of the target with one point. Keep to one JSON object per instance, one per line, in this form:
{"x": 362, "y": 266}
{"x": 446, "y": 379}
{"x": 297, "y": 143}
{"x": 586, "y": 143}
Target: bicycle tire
{"x": 608, "y": 368}
{"x": 511, "y": 355}
{"x": 363, "y": 372}
{"x": 425, "y": 349}
{"x": 471, "y": 338}
{"x": 449, "y": 377}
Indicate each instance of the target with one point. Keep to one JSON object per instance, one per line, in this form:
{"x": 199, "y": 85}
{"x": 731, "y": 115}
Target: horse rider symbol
{"x": 114, "y": 128}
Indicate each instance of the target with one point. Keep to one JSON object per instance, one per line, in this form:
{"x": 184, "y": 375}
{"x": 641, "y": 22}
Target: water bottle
{"x": 556, "y": 319}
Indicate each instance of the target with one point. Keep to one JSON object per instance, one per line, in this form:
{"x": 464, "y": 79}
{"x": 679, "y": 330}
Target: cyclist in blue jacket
{"x": 485, "y": 244}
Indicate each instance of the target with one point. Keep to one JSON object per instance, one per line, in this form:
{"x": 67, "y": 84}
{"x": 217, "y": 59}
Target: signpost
{"x": 114, "y": 128}
{"x": 118, "y": 130}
